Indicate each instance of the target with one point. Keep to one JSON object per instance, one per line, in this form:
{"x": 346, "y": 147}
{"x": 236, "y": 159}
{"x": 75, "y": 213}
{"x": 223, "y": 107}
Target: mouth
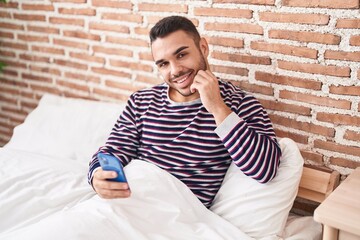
{"x": 183, "y": 80}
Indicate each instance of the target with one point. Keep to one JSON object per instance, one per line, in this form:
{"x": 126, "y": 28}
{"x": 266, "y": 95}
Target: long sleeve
{"x": 122, "y": 142}
{"x": 248, "y": 135}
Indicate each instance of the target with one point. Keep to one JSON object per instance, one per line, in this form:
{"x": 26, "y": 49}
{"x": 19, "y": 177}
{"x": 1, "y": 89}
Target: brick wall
{"x": 300, "y": 58}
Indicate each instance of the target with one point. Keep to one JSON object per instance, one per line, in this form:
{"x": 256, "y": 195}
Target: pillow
{"x": 261, "y": 210}
{"x": 66, "y": 127}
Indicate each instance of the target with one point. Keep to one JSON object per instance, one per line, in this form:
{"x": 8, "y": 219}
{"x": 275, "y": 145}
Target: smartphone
{"x": 111, "y": 163}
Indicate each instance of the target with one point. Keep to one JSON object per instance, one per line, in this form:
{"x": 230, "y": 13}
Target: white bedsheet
{"x": 46, "y": 198}
{"x": 44, "y": 192}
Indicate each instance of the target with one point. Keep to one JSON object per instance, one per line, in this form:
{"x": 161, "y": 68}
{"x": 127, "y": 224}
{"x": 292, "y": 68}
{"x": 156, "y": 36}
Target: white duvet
{"x": 46, "y": 198}
{"x": 44, "y": 192}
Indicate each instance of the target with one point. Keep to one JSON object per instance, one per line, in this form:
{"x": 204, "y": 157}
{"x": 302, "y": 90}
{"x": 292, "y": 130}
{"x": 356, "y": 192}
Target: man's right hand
{"x": 109, "y": 189}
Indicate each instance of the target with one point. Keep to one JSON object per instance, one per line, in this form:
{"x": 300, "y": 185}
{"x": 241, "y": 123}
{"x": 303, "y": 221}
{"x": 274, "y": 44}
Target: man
{"x": 193, "y": 125}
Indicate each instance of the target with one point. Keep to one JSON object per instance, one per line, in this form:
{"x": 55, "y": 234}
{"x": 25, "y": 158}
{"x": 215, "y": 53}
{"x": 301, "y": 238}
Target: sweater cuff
{"x": 227, "y": 125}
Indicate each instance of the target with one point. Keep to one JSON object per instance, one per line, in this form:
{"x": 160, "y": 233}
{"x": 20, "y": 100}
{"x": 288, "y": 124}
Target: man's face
{"x": 178, "y": 59}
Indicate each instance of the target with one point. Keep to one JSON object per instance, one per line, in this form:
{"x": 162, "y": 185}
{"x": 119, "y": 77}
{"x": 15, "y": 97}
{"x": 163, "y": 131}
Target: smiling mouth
{"x": 182, "y": 79}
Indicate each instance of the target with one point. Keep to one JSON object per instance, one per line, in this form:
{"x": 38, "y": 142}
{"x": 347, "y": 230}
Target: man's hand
{"x": 208, "y": 87}
{"x": 109, "y": 189}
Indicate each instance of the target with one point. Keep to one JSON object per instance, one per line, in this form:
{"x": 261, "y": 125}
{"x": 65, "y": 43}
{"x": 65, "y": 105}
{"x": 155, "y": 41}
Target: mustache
{"x": 180, "y": 74}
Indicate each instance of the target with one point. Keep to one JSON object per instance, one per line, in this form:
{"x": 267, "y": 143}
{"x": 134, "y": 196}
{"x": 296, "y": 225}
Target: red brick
{"x": 253, "y": 88}
{"x": 285, "y": 49}
{"x": 287, "y": 80}
{"x": 82, "y": 77}
{"x": 67, "y": 21}
{"x": 11, "y": 26}
{"x": 37, "y": 7}
{"x": 36, "y": 78}
{"x": 342, "y": 55}
{"x": 42, "y": 69}
{"x": 322, "y": 3}
{"x": 87, "y": 57}
{"x": 338, "y": 119}
{"x": 301, "y": 18}
{"x": 255, "y": 2}
{"x": 241, "y": 58}
{"x": 345, "y": 90}
{"x": 316, "y": 100}
{"x": 14, "y": 45}
{"x": 73, "y": 85}
{"x": 109, "y": 27}
{"x": 147, "y": 56}
{"x": 102, "y": 70}
{"x": 352, "y": 135}
{"x": 285, "y": 107}
{"x": 128, "y": 86}
{"x": 315, "y": 68}
{"x": 82, "y": 35}
{"x": 294, "y": 136}
{"x": 348, "y": 23}
{"x": 78, "y": 11}
{"x": 32, "y": 38}
{"x": 148, "y": 80}
{"x": 34, "y": 58}
{"x": 223, "y": 12}
{"x": 5, "y": 14}
{"x": 127, "y": 41}
{"x": 72, "y": 44}
{"x": 30, "y": 17}
{"x": 9, "y": 5}
{"x": 229, "y": 70}
{"x": 226, "y": 42}
{"x": 71, "y": 64}
{"x": 355, "y": 40}
{"x": 302, "y": 36}
{"x": 112, "y": 4}
{"x": 235, "y": 27}
{"x": 7, "y": 53}
{"x": 123, "y": 17}
{"x": 113, "y": 51}
{"x": 6, "y": 35}
{"x": 343, "y": 162}
{"x": 152, "y": 7}
{"x": 46, "y": 89}
{"x": 335, "y": 147}
{"x": 303, "y": 126}
{"x": 51, "y": 30}
{"x": 131, "y": 65}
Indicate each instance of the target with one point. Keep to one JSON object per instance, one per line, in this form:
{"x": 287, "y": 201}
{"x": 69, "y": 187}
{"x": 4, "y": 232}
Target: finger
{"x": 111, "y": 185}
{"x": 110, "y": 194}
{"x": 101, "y": 174}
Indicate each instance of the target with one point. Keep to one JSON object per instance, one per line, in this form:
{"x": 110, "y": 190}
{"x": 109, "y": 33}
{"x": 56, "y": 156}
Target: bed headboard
{"x": 316, "y": 184}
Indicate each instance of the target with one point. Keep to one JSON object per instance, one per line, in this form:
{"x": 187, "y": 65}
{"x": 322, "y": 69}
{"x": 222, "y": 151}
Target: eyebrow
{"x": 176, "y": 52}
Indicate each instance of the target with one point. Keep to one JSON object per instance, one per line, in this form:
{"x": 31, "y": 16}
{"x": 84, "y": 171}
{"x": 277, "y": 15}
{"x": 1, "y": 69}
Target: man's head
{"x": 172, "y": 24}
{"x": 179, "y": 53}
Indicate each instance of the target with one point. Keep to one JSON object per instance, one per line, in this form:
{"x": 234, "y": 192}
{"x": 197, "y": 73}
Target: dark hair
{"x": 171, "y": 24}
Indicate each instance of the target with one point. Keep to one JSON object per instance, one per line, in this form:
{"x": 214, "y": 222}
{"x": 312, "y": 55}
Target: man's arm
{"x": 245, "y": 130}
{"x": 122, "y": 143}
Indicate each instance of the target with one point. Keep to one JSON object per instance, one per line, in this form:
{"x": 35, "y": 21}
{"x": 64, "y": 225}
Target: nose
{"x": 175, "y": 69}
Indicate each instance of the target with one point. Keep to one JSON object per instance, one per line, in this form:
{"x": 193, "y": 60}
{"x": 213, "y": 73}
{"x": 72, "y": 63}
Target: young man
{"x": 193, "y": 126}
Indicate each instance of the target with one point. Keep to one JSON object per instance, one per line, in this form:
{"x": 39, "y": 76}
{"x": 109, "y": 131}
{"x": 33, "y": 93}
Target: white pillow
{"x": 66, "y": 127}
{"x": 261, "y": 210}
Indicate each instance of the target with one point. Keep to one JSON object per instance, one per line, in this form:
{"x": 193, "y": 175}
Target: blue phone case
{"x": 111, "y": 163}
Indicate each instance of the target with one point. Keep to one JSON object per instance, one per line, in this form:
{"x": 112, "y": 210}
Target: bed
{"x": 44, "y": 192}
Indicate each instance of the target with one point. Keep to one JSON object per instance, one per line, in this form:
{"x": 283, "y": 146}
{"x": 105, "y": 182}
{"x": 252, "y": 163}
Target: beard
{"x": 202, "y": 66}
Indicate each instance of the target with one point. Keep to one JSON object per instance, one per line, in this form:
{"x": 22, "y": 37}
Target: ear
{"x": 204, "y": 47}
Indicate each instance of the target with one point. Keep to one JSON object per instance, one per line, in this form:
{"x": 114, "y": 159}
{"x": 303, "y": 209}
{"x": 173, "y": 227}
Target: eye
{"x": 181, "y": 55}
{"x": 162, "y": 65}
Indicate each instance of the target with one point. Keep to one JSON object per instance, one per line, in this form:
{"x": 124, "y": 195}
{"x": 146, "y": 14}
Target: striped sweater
{"x": 183, "y": 139}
